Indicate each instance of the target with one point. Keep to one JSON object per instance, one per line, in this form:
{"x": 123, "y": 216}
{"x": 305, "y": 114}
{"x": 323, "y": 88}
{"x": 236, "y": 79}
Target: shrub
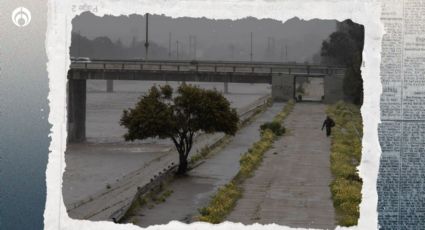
{"x": 274, "y": 126}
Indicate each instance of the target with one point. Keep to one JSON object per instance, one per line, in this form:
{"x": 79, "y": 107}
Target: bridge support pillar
{"x": 283, "y": 87}
{"x": 109, "y": 86}
{"x": 333, "y": 88}
{"x": 77, "y": 110}
{"x": 226, "y": 87}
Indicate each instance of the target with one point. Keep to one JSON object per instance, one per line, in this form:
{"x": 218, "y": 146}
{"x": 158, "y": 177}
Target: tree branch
{"x": 178, "y": 146}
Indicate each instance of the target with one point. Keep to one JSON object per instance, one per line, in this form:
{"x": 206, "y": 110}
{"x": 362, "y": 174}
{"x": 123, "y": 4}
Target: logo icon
{"x": 21, "y": 17}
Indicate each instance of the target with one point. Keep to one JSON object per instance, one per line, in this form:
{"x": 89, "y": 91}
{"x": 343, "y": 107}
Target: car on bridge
{"x": 80, "y": 60}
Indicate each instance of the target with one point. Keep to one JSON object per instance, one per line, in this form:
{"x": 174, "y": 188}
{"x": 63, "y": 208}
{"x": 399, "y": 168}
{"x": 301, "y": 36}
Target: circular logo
{"x": 21, "y": 17}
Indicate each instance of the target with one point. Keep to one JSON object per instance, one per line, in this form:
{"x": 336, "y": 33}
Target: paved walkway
{"x": 195, "y": 190}
{"x": 291, "y": 186}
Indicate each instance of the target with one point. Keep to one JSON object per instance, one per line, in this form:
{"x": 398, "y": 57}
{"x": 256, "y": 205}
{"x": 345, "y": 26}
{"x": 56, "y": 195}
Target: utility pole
{"x": 79, "y": 40}
{"x": 147, "y": 36}
{"x": 268, "y": 42}
{"x": 251, "y": 54}
{"x": 189, "y": 52}
{"x": 169, "y": 45}
{"x": 268, "y": 51}
{"x": 286, "y": 52}
{"x": 232, "y": 51}
{"x": 281, "y": 53}
{"x": 194, "y": 46}
{"x": 177, "y": 50}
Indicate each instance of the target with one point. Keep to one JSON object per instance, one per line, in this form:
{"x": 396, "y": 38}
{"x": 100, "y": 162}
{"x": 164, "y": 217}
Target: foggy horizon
{"x": 295, "y": 40}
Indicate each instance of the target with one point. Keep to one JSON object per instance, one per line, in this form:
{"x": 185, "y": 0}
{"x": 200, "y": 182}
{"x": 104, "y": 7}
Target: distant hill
{"x": 123, "y": 37}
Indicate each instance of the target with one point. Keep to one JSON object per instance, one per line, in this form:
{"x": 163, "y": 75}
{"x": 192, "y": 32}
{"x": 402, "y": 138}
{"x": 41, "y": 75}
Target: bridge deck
{"x": 210, "y": 71}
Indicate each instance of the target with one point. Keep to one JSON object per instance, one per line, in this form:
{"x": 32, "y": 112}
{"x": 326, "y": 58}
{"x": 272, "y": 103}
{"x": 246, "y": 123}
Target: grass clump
{"x": 226, "y": 197}
{"x": 345, "y": 157}
{"x": 252, "y": 159}
{"x": 223, "y": 201}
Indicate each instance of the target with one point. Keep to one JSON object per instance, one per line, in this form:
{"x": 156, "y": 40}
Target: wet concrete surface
{"x": 100, "y": 201}
{"x": 195, "y": 190}
{"x": 100, "y": 165}
{"x": 291, "y": 186}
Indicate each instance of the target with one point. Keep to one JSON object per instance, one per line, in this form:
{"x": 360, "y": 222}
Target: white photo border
{"x": 61, "y": 13}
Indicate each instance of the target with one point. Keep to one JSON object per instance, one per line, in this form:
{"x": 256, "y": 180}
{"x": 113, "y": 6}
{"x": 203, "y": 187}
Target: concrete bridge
{"x": 282, "y": 77}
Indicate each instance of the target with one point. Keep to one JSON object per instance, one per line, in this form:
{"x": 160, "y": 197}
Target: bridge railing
{"x": 207, "y": 66}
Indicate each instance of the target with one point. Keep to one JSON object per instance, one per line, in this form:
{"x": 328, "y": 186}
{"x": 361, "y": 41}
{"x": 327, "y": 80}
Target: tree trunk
{"x": 182, "y": 164}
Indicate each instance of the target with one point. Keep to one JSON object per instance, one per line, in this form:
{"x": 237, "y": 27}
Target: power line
{"x": 169, "y": 45}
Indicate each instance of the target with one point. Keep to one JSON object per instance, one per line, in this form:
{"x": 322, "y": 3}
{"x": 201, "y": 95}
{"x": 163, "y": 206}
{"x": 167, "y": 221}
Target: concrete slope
{"x": 104, "y": 201}
{"x": 195, "y": 190}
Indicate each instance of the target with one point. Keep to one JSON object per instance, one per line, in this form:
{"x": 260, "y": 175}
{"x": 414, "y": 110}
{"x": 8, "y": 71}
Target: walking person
{"x": 328, "y": 123}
